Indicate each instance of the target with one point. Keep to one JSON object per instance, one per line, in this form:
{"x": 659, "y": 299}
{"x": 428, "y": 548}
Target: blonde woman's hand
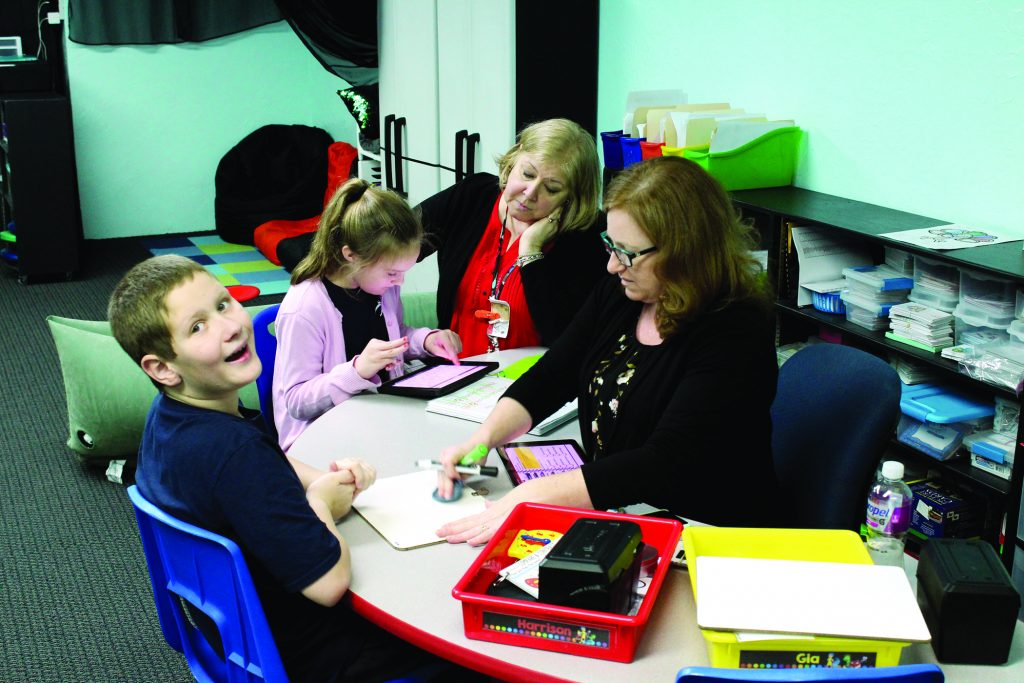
{"x": 540, "y": 233}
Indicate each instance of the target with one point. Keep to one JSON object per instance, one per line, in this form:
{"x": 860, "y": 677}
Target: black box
{"x": 594, "y": 566}
{"x": 968, "y": 601}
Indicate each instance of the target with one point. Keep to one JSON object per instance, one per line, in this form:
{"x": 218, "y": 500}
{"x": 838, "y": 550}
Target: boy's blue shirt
{"x": 226, "y": 474}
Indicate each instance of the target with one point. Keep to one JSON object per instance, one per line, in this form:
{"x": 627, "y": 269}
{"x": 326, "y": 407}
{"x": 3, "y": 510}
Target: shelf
{"x": 958, "y": 469}
{"x": 868, "y": 220}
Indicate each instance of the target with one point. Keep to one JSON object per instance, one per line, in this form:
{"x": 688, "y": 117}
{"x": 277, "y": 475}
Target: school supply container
{"x": 828, "y": 302}
{"x": 631, "y": 153}
{"x": 936, "y": 284}
{"x": 900, "y": 261}
{"x": 865, "y": 312}
{"x": 611, "y": 142}
{"x": 980, "y": 327}
{"x": 992, "y": 296}
{"x": 767, "y": 161}
{"x": 601, "y": 635}
{"x": 650, "y": 149}
{"x": 813, "y": 545}
{"x": 992, "y": 452}
{"x": 878, "y": 283}
{"x": 935, "y": 418}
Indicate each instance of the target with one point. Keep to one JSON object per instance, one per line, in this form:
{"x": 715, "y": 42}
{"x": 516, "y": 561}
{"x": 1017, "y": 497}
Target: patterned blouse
{"x": 611, "y": 377}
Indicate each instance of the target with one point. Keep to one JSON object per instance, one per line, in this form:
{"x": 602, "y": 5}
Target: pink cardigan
{"x": 311, "y": 373}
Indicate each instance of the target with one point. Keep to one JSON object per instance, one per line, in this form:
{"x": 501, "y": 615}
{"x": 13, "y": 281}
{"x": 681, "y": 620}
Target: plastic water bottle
{"x": 890, "y": 506}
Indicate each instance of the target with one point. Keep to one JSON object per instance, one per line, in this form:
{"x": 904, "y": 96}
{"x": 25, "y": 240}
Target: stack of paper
{"x": 921, "y": 326}
{"x": 475, "y": 402}
{"x": 912, "y": 371}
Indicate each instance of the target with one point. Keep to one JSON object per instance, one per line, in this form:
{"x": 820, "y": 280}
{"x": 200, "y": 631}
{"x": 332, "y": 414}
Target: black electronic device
{"x": 594, "y": 566}
{"x": 968, "y": 601}
{"x": 437, "y": 379}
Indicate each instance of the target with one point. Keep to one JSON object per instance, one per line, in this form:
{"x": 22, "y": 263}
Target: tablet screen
{"x": 436, "y": 376}
{"x": 530, "y": 460}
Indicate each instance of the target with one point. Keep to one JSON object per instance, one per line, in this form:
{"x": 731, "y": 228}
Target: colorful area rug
{"x": 231, "y": 264}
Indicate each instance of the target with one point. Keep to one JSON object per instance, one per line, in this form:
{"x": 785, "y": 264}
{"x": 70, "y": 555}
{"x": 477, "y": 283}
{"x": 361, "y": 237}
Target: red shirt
{"x": 475, "y": 291}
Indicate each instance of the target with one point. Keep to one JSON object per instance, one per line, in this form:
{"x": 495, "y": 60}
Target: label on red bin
{"x": 546, "y": 629}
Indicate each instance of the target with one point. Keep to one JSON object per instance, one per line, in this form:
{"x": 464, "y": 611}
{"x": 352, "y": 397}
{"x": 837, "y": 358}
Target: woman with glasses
{"x": 672, "y": 360}
{"x": 518, "y": 254}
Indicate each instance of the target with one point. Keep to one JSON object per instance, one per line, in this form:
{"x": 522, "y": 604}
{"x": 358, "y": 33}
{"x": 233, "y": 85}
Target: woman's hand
{"x": 450, "y": 457}
{"x": 533, "y": 239}
{"x": 444, "y": 344}
{"x": 379, "y": 355}
{"x": 363, "y": 473}
{"x": 477, "y": 529}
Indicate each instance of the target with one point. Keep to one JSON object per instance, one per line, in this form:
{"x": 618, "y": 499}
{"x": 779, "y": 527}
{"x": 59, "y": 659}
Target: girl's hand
{"x": 540, "y": 233}
{"x": 379, "y": 355}
{"x": 444, "y": 344}
{"x": 363, "y": 473}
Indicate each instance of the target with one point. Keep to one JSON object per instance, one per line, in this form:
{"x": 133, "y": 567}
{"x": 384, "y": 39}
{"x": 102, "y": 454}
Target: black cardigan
{"x": 454, "y": 221}
{"x": 693, "y": 432}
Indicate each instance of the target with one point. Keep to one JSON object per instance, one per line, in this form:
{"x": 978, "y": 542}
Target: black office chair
{"x": 835, "y": 411}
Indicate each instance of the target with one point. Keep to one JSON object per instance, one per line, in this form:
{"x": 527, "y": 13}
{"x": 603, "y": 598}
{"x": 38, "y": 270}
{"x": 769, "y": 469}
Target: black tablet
{"x": 437, "y": 379}
{"x": 525, "y": 460}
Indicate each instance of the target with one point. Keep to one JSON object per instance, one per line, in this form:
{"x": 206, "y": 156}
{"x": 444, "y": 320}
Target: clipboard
{"x": 403, "y": 512}
{"x": 437, "y": 379}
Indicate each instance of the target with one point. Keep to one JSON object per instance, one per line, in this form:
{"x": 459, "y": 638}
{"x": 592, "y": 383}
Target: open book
{"x": 475, "y": 402}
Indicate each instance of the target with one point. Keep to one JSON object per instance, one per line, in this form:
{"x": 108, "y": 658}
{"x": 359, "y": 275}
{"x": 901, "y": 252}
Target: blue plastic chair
{"x": 208, "y": 570}
{"x": 266, "y": 348}
{"x": 835, "y": 411}
{"x": 908, "y": 673}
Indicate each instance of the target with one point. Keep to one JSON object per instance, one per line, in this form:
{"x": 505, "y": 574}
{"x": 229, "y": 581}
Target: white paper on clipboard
{"x": 822, "y": 256}
{"x": 403, "y": 511}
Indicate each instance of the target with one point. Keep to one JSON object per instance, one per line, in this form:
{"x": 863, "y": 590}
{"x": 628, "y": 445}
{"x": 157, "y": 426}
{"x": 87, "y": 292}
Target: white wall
{"x": 917, "y": 105}
{"x": 152, "y": 122}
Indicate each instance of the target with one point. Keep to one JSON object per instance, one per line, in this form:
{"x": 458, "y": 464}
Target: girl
{"x": 339, "y": 328}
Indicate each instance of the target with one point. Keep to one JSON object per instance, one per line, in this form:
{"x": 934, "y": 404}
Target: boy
{"x": 206, "y": 460}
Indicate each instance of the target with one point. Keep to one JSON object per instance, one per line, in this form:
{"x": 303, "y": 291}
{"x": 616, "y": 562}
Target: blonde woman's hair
{"x": 564, "y": 144}
{"x": 704, "y": 259}
{"x": 373, "y": 222}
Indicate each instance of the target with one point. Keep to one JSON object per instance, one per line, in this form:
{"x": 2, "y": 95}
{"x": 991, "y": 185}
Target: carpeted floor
{"x": 232, "y": 264}
{"x": 75, "y": 600}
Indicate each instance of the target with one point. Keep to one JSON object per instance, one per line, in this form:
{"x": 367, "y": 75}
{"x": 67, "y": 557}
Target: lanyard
{"x": 498, "y": 287}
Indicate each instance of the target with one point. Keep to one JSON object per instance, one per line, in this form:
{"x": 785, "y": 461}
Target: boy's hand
{"x": 444, "y": 344}
{"x": 336, "y": 490}
{"x": 363, "y": 473}
{"x": 379, "y": 355}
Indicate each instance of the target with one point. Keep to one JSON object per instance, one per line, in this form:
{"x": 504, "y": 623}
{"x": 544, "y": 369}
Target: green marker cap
{"x": 478, "y": 453}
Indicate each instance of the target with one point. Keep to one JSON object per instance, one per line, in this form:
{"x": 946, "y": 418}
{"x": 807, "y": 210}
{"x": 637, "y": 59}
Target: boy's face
{"x": 212, "y": 336}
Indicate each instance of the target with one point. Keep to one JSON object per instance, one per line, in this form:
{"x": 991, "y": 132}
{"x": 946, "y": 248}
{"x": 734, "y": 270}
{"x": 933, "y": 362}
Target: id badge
{"x": 499, "y": 326}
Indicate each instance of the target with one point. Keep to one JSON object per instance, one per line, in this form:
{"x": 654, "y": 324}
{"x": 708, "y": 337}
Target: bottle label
{"x": 888, "y": 514}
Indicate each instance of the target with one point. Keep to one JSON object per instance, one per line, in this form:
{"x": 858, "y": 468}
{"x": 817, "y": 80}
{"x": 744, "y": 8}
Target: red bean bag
{"x": 340, "y": 157}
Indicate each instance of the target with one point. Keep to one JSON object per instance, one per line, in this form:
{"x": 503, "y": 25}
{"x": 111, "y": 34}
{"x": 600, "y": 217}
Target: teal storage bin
{"x": 942, "y": 405}
{"x": 768, "y": 161}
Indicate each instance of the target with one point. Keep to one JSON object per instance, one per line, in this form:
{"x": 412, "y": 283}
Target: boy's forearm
{"x": 306, "y": 473}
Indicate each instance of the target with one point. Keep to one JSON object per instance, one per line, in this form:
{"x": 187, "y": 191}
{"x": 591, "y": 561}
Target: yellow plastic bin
{"x": 813, "y": 545}
{"x": 768, "y": 161}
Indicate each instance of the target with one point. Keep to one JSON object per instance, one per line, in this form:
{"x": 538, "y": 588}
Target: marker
{"x": 485, "y": 470}
{"x": 478, "y": 453}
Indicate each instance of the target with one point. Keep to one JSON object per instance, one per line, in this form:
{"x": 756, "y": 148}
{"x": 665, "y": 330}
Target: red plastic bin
{"x": 602, "y": 635}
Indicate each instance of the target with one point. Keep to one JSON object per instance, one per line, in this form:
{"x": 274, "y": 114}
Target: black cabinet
{"x": 775, "y": 210}
{"x": 41, "y": 223}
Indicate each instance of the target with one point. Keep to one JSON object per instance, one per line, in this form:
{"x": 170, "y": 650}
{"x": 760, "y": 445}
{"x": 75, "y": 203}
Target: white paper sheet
{"x": 950, "y": 236}
{"x": 822, "y": 258}
{"x": 403, "y": 511}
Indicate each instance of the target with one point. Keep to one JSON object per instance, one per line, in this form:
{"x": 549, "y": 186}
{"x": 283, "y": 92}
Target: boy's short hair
{"x": 138, "y": 306}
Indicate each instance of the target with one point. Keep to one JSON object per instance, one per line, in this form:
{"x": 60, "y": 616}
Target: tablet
{"x": 437, "y": 380}
{"x": 525, "y": 460}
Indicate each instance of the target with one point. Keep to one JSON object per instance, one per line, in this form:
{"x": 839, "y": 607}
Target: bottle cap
{"x": 892, "y": 469}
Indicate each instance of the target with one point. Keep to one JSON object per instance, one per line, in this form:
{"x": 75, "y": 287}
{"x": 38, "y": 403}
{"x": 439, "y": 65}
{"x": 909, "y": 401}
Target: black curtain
{"x": 147, "y": 22}
{"x": 342, "y": 35}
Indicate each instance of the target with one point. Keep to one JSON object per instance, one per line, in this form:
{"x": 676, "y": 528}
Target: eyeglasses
{"x": 624, "y": 256}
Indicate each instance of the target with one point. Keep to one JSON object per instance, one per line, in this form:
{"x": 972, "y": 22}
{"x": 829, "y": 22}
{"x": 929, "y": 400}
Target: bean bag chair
{"x": 269, "y": 235}
{"x": 275, "y": 172}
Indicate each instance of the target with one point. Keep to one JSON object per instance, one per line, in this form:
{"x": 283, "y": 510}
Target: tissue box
{"x": 941, "y": 511}
{"x": 968, "y": 601}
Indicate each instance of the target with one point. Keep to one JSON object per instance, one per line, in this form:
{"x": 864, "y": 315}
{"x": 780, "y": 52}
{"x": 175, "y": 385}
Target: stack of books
{"x": 920, "y": 326}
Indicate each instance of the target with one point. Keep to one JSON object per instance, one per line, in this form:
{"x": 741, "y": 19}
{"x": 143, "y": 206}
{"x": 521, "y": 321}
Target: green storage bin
{"x": 768, "y": 161}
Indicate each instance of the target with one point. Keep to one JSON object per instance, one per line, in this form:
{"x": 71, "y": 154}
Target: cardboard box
{"x": 942, "y": 511}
